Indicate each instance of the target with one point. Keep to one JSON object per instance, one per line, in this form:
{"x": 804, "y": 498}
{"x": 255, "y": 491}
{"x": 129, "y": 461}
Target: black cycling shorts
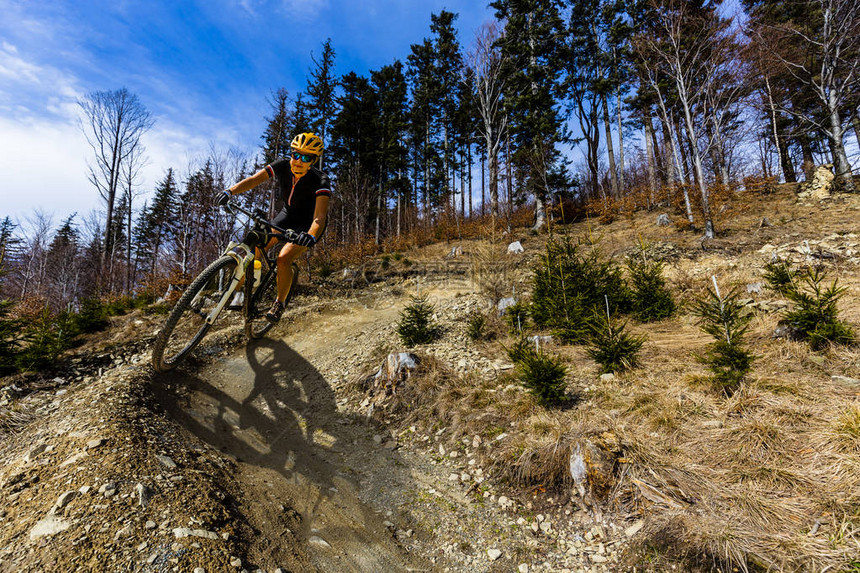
{"x": 284, "y": 221}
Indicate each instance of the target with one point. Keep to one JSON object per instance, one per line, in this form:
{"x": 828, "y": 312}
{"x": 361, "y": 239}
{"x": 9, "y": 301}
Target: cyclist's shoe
{"x": 236, "y": 303}
{"x": 274, "y": 314}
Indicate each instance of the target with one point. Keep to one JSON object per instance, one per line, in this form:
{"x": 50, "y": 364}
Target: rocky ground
{"x": 108, "y": 466}
{"x": 281, "y": 456}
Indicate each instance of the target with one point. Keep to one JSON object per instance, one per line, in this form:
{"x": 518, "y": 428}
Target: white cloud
{"x": 43, "y": 166}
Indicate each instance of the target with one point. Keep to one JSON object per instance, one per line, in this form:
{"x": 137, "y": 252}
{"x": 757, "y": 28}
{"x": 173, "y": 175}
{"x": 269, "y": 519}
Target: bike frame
{"x": 242, "y": 263}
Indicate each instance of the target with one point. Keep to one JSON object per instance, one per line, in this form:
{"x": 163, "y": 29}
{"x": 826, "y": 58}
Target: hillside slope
{"x": 286, "y": 454}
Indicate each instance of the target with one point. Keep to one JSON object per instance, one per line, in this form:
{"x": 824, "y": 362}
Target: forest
{"x": 555, "y": 110}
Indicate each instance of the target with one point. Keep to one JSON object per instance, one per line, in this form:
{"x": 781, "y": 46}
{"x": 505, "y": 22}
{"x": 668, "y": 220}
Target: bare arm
{"x": 320, "y": 214}
{"x": 249, "y": 182}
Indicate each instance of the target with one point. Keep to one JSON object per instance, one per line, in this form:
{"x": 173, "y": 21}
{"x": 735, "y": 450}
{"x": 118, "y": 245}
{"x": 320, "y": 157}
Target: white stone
{"x": 515, "y": 248}
{"x": 180, "y": 532}
{"x": 318, "y": 541}
{"x": 51, "y": 525}
{"x": 65, "y": 498}
{"x": 493, "y": 554}
{"x": 523, "y": 568}
{"x": 634, "y": 529}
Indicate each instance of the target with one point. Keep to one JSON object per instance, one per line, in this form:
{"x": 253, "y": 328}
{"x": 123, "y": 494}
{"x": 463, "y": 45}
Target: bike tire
{"x": 187, "y": 319}
{"x": 259, "y": 299}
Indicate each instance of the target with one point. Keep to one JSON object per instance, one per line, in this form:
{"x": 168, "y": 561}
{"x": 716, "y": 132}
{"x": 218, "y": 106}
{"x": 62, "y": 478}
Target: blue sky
{"x": 204, "y": 70}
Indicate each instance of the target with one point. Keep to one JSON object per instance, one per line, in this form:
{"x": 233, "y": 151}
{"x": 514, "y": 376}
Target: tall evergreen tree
{"x": 156, "y": 223}
{"x": 276, "y": 137}
{"x": 321, "y": 92}
{"x": 62, "y": 265}
{"x": 447, "y": 67}
{"x": 391, "y": 92}
{"x": 425, "y": 90}
{"x": 531, "y": 45}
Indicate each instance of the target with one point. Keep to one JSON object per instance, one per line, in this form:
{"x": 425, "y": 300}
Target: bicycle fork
{"x": 238, "y": 275}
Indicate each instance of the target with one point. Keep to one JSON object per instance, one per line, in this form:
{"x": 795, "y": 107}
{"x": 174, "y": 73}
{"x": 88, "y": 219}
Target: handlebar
{"x": 259, "y": 217}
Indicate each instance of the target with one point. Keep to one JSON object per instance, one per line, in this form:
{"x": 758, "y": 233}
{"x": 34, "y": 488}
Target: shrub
{"x": 416, "y": 324}
{"x": 119, "y": 306}
{"x": 652, "y": 300}
{"x": 611, "y": 347}
{"x": 541, "y": 374}
{"x": 517, "y": 318}
{"x": 45, "y": 339}
{"x": 815, "y": 316}
{"x": 92, "y": 316}
{"x": 569, "y": 288}
{"x": 476, "y": 325}
{"x": 779, "y": 276}
{"x": 726, "y": 320}
{"x": 9, "y": 338}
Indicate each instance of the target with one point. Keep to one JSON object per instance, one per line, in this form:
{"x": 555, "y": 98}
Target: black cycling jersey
{"x": 300, "y": 197}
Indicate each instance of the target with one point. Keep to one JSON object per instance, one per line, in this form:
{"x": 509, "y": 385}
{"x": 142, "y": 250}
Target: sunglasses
{"x": 303, "y": 157}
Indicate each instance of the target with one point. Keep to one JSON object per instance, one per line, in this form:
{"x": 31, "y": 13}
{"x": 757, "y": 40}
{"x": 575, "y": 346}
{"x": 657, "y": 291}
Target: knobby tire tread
{"x": 159, "y": 363}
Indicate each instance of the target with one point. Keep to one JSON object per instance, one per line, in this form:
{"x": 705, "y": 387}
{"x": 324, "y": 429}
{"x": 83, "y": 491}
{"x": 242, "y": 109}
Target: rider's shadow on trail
{"x": 272, "y": 409}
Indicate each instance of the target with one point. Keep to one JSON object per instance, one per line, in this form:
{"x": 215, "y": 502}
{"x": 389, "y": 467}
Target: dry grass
{"x": 13, "y": 420}
{"x": 765, "y": 480}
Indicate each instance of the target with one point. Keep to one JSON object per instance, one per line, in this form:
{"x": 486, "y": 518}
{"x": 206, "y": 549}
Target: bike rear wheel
{"x": 186, "y": 326}
{"x": 259, "y": 299}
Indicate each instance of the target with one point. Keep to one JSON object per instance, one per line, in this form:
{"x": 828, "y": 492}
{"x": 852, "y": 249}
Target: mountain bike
{"x": 238, "y": 271}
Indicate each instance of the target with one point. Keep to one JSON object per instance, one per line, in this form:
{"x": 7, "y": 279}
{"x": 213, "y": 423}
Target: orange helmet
{"x": 307, "y": 143}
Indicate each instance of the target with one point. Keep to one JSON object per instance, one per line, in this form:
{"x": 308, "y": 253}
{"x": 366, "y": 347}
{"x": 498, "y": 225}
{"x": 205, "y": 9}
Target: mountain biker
{"x": 305, "y": 191}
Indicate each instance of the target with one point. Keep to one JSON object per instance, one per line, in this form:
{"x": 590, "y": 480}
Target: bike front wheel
{"x": 258, "y": 300}
{"x": 187, "y": 324}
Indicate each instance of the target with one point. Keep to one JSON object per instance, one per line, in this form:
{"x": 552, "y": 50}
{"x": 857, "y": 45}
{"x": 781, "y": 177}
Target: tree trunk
{"x": 658, "y": 157}
{"x": 509, "y": 171}
{"x": 650, "y": 156}
{"x": 378, "y": 208}
{"x": 469, "y": 161}
{"x": 620, "y": 143}
{"x": 697, "y": 166}
{"x": 842, "y": 167}
{"x": 610, "y": 152}
{"x": 483, "y": 186}
{"x": 808, "y": 157}
{"x": 493, "y": 168}
{"x": 685, "y": 166}
{"x": 780, "y": 142}
{"x": 723, "y": 171}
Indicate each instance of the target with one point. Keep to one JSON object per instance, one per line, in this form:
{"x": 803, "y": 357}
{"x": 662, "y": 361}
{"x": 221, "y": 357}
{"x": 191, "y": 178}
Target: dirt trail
{"x": 304, "y": 466}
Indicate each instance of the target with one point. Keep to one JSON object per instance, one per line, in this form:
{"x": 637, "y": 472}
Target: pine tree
{"x": 276, "y": 138}
{"x": 424, "y": 116}
{"x": 389, "y": 84}
{"x": 416, "y": 324}
{"x": 155, "y": 226}
{"x": 531, "y": 47}
{"x": 727, "y": 321}
{"x": 321, "y": 90}
{"x": 62, "y": 265}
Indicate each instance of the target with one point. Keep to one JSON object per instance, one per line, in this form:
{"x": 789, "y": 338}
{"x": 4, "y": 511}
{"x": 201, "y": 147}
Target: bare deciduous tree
{"x": 113, "y": 122}
{"x": 484, "y": 63}
{"x": 822, "y": 53}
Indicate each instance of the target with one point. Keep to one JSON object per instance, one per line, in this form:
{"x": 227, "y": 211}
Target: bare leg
{"x": 289, "y": 253}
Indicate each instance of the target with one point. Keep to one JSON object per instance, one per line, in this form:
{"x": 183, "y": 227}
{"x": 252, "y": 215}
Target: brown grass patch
{"x": 766, "y": 480}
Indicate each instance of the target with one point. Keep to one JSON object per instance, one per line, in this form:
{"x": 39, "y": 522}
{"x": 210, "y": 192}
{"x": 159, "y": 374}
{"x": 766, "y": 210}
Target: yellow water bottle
{"x": 258, "y": 270}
